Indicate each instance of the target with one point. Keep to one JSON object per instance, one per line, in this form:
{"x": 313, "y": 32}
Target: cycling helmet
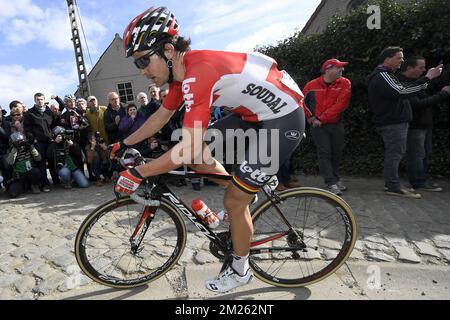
{"x": 68, "y": 97}
{"x": 58, "y": 131}
{"x": 149, "y": 30}
{"x": 17, "y": 138}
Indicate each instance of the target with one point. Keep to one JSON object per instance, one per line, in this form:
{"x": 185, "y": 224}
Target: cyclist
{"x": 250, "y": 85}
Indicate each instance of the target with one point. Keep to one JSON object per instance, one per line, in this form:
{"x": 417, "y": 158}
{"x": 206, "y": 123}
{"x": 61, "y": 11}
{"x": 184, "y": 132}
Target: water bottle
{"x": 204, "y": 213}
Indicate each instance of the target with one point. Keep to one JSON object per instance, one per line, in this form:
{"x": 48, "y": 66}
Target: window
{"x": 125, "y": 92}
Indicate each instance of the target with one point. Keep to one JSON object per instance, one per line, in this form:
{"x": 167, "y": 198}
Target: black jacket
{"x": 39, "y": 125}
{"x": 388, "y": 98}
{"x": 422, "y": 105}
{"x": 112, "y": 129}
{"x": 74, "y": 151}
{"x": 4, "y": 136}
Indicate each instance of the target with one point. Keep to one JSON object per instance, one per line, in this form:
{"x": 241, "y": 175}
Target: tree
{"x": 419, "y": 28}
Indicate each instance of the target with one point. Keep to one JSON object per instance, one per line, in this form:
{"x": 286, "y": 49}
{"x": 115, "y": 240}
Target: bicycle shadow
{"x": 266, "y": 294}
{"x": 249, "y": 295}
{"x": 128, "y": 293}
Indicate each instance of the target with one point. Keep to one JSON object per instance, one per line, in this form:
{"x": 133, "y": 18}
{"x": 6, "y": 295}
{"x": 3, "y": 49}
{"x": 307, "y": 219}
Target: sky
{"x": 37, "y": 55}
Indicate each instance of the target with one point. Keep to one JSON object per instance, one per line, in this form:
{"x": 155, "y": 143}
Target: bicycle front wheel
{"x": 105, "y": 254}
{"x": 311, "y": 238}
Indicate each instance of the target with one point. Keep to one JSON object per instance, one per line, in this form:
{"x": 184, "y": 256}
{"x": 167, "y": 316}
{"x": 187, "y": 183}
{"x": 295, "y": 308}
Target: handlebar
{"x": 131, "y": 158}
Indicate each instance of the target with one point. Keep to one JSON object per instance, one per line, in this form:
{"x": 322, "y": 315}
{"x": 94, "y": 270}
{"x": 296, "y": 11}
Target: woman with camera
{"x": 97, "y": 155}
{"x": 64, "y": 154}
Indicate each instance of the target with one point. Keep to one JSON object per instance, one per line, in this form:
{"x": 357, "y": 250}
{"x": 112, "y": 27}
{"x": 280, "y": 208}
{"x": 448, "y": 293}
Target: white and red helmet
{"x": 149, "y": 30}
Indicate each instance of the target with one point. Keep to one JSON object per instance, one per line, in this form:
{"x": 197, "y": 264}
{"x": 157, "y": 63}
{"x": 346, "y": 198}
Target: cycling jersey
{"x": 248, "y": 84}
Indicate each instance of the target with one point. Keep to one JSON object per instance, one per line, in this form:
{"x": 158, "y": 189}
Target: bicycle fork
{"x": 141, "y": 229}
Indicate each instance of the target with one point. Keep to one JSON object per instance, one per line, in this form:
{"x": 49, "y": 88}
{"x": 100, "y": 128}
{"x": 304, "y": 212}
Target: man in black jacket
{"x": 388, "y": 100}
{"x": 38, "y": 123}
{"x": 113, "y": 114}
{"x": 421, "y": 126}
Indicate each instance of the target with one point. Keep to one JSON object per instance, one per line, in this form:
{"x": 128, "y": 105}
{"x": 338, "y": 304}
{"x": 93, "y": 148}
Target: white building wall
{"x": 113, "y": 68}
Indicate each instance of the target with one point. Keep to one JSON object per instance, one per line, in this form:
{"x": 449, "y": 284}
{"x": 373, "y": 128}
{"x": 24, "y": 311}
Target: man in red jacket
{"x": 327, "y": 97}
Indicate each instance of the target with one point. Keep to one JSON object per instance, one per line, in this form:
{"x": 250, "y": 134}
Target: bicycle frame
{"x": 162, "y": 191}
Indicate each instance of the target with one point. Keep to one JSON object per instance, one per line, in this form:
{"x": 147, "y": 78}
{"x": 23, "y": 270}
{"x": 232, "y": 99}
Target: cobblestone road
{"x": 37, "y": 233}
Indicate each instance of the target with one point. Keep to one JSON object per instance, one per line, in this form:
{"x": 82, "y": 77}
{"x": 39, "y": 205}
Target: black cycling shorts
{"x": 282, "y": 136}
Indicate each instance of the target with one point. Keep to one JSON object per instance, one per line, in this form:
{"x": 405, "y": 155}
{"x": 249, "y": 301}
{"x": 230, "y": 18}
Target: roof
{"x": 314, "y": 15}
{"x": 117, "y": 37}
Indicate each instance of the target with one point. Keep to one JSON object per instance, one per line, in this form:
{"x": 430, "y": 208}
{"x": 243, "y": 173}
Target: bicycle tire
{"x": 313, "y": 258}
{"x": 166, "y": 259}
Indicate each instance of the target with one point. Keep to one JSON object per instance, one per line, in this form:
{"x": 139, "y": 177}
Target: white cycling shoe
{"x": 228, "y": 280}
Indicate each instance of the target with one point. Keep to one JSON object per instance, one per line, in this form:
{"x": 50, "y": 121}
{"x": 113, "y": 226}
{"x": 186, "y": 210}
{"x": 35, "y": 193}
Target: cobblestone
{"x": 445, "y": 253}
{"x": 407, "y": 254}
{"x": 37, "y": 241}
{"x": 427, "y": 249}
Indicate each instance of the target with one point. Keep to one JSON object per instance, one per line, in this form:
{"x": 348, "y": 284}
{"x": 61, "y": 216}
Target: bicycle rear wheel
{"x": 104, "y": 252}
{"x": 321, "y": 239}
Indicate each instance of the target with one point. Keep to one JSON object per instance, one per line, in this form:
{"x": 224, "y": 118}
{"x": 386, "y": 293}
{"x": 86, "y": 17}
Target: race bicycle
{"x": 301, "y": 235}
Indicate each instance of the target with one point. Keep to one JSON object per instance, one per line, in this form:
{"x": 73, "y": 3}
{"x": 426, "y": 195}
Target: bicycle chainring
{"x": 215, "y": 250}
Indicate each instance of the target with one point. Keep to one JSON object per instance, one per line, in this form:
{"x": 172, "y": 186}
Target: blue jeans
{"x": 417, "y": 156}
{"x": 395, "y": 139}
{"x": 65, "y": 174}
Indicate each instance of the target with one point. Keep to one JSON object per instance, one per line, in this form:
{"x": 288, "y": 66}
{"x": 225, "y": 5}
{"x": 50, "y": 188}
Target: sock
{"x": 240, "y": 264}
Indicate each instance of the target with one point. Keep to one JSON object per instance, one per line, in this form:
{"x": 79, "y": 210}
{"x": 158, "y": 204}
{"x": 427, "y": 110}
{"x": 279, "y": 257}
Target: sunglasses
{"x": 144, "y": 61}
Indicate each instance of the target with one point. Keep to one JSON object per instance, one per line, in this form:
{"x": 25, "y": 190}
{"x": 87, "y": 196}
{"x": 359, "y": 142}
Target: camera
{"x": 98, "y": 138}
{"x": 18, "y": 140}
{"x": 84, "y": 122}
{"x": 69, "y": 135}
{"x": 60, "y": 159}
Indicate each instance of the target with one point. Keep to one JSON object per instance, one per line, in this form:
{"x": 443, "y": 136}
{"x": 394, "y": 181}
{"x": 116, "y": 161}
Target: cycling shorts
{"x": 264, "y": 153}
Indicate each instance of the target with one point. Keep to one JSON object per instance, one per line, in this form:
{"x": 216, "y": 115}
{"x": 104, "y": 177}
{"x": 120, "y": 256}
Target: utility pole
{"x": 84, "y": 89}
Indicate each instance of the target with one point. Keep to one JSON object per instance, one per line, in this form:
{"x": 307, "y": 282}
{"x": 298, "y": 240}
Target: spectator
{"x": 327, "y": 97}
{"x": 95, "y": 115}
{"x": 38, "y": 123}
{"x": 142, "y": 99}
{"x": 388, "y": 100}
{"x": 64, "y": 154}
{"x": 163, "y": 94}
{"x": 153, "y": 92}
{"x": 148, "y": 110}
{"x": 15, "y": 106}
{"x": 422, "y": 124}
{"x": 55, "y": 110}
{"x": 81, "y": 106}
{"x": 113, "y": 114}
{"x": 155, "y": 149}
{"x": 4, "y": 137}
{"x": 97, "y": 155}
{"x": 22, "y": 158}
{"x": 16, "y": 124}
{"x": 131, "y": 123}
{"x": 72, "y": 120}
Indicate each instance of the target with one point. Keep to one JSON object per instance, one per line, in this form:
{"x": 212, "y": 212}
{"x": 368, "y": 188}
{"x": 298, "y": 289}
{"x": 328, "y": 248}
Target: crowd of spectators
{"x": 71, "y": 138}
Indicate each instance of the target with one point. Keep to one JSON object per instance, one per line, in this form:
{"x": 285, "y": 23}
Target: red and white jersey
{"x": 249, "y": 84}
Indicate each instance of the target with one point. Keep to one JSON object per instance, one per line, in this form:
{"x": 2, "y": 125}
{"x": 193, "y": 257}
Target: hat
{"x": 91, "y": 98}
{"x": 333, "y": 63}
